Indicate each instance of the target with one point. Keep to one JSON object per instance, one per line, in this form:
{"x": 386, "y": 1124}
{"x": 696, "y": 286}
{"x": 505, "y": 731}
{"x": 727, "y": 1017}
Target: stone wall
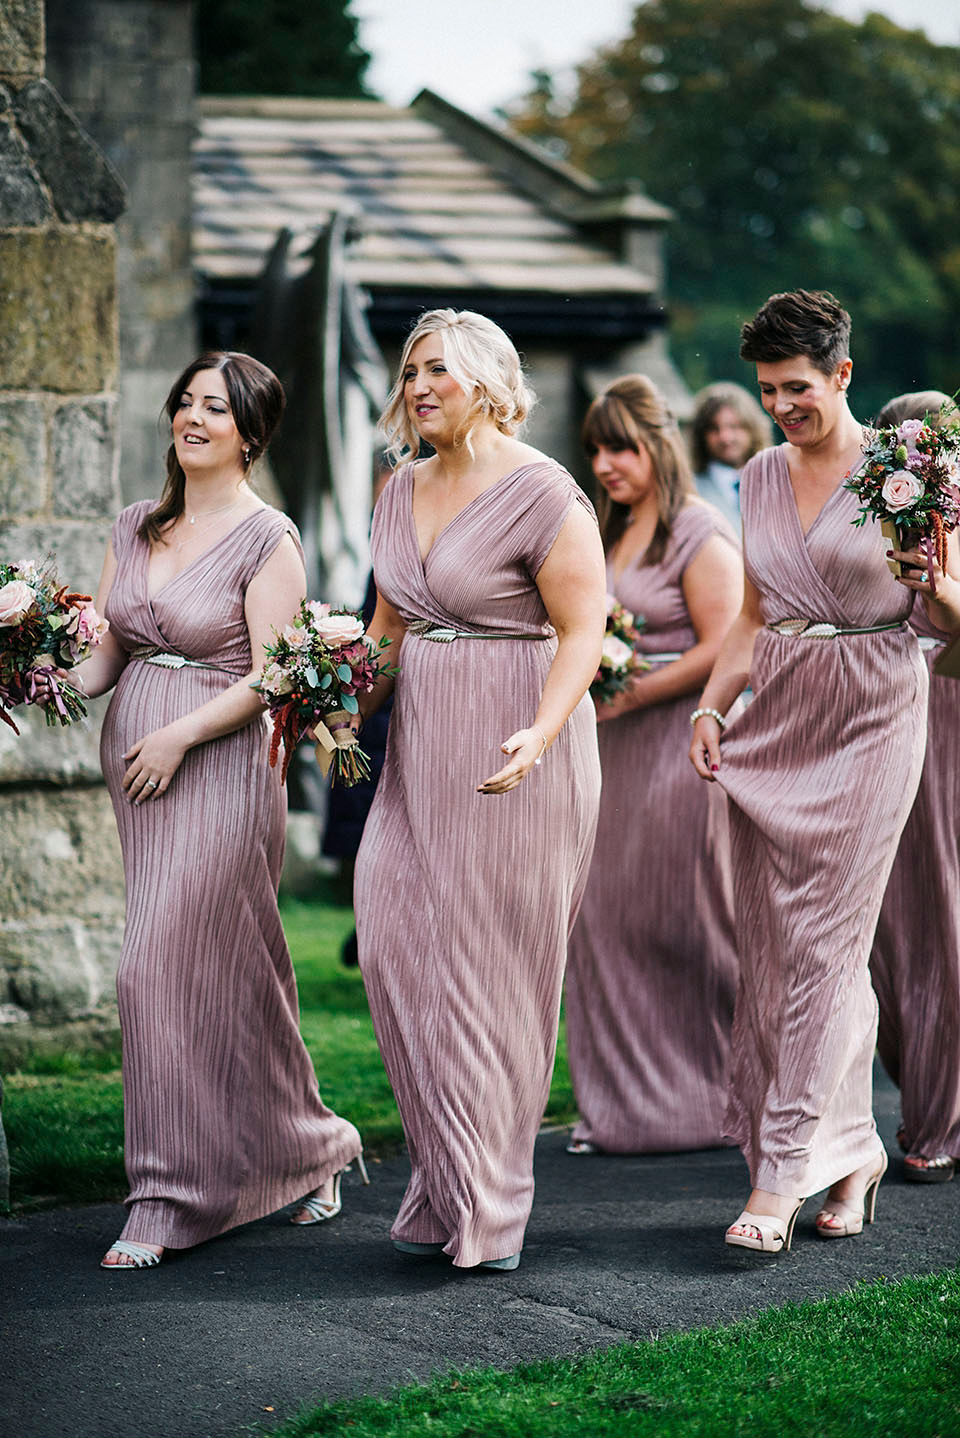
{"x": 127, "y": 70}
{"x": 61, "y": 888}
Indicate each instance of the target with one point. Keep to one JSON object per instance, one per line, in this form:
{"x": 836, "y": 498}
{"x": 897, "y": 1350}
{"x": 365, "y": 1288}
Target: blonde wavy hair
{"x": 483, "y": 361}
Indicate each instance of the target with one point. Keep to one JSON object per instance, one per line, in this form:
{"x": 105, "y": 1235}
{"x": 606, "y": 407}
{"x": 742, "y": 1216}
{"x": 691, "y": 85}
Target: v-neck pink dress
{"x": 821, "y": 770}
{"x": 464, "y": 900}
{"x": 223, "y": 1120}
{"x": 652, "y": 970}
{"x": 915, "y": 964}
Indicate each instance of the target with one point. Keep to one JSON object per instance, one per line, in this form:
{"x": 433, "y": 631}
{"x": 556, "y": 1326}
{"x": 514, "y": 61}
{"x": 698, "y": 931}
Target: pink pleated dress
{"x": 915, "y": 964}
{"x": 465, "y": 901}
{"x": 821, "y": 770}
{"x": 652, "y": 970}
{"x": 223, "y": 1119}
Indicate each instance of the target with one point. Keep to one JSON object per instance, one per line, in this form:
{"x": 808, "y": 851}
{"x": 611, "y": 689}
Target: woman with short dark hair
{"x": 820, "y": 770}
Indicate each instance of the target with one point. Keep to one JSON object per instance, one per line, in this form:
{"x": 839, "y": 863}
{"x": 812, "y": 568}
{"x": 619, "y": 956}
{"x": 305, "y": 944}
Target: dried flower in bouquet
{"x": 43, "y": 627}
{"x": 315, "y": 670}
{"x": 909, "y": 480}
{"x": 619, "y": 657}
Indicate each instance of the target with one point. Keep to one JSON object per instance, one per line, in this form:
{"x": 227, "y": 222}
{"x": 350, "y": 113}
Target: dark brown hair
{"x": 751, "y": 415}
{"x": 632, "y": 412}
{"x": 256, "y": 404}
{"x": 812, "y": 323}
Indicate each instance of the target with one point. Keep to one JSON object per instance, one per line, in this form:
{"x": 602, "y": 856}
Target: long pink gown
{"x": 821, "y": 768}
{"x": 652, "y": 970}
{"x": 464, "y": 900}
{"x": 223, "y": 1119}
{"x": 915, "y": 962}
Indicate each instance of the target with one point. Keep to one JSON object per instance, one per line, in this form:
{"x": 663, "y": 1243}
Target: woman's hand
{"x": 41, "y": 689}
{"x": 622, "y": 704}
{"x": 153, "y": 762}
{"x": 526, "y": 748}
{"x": 939, "y": 589}
{"x": 705, "y": 748}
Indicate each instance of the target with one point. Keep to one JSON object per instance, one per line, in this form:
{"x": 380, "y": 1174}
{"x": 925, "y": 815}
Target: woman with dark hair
{"x": 651, "y": 973}
{"x": 915, "y": 963}
{"x": 821, "y": 770}
{"x": 223, "y": 1120}
{"x": 728, "y": 428}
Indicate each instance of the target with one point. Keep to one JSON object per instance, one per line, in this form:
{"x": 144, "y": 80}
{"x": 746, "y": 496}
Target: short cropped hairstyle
{"x": 928, "y": 404}
{"x": 727, "y": 396}
{"x": 482, "y": 359}
{"x": 632, "y": 412}
{"x": 812, "y": 323}
{"x": 256, "y": 403}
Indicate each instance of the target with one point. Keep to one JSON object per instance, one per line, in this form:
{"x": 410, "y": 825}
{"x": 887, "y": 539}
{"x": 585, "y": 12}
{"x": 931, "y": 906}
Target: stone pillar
{"x": 127, "y": 70}
{"x": 61, "y": 887}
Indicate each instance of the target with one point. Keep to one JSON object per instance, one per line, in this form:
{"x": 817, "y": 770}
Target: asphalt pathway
{"x": 237, "y": 1333}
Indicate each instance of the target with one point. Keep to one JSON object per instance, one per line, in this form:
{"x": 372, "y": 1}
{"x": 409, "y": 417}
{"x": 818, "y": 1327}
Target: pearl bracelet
{"x": 711, "y": 713}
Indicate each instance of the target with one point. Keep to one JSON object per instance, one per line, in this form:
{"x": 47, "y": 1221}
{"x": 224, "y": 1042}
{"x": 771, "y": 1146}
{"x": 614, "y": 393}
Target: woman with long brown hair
{"x": 223, "y": 1120}
{"x": 652, "y": 967}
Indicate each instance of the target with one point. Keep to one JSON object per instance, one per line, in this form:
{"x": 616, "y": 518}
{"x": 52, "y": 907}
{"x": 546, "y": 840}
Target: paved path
{"x": 204, "y": 1345}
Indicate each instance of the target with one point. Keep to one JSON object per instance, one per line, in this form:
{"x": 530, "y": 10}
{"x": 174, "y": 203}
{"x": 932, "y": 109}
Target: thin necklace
{"x": 204, "y": 518}
{"x": 209, "y": 513}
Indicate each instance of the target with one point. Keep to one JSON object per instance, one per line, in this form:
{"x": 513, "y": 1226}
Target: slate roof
{"x": 444, "y": 202}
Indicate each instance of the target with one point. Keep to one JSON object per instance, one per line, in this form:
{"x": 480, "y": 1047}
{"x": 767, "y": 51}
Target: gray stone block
{"x": 43, "y": 755}
{"x": 60, "y": 971}
{"x": 84, "y": 184}
{"x": 21, "y": 37}
{"x": 57, "y": 309}
{"x": 23, "y": 456}
{"x": 64, "y": 862}
{"x": 78, "y": 547}
{"x": 22, "y": 199}
{"x": 85, "y": 460}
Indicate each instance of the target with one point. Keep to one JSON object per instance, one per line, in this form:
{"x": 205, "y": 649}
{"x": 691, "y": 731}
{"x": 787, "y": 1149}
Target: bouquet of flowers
{"x": 909, "y": 479}
{"x": 619, "y": 658}
{"x": 316, "y": 669}
{"x": 43, "y": 626}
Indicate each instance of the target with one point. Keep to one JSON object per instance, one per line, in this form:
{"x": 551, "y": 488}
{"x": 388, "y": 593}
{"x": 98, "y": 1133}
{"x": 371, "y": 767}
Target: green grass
{"x": 63, "y": 1113}
{"x": 882, "y": 1361}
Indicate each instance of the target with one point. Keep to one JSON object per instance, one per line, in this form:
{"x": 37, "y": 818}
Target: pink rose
{"x": 16, "y": 601}
{"x": 908, "y": 433}
{"x": 337, "y": 629}
{"x": 901, "y": 489}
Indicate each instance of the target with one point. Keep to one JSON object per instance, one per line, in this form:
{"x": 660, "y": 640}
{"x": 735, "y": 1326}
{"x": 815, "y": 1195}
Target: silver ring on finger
{"x": 150, "y": 784}
{"x": 924, "y": 577}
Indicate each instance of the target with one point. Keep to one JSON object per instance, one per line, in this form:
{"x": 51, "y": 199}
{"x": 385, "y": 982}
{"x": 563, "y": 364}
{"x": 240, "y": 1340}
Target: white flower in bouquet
{"x": 16, "y": 600}
{"x": 901, "y": 489}
{"x": 617, "y": 654}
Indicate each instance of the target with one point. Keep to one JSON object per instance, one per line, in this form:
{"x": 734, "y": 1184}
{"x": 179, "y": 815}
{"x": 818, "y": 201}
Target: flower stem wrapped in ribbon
{"x": 619, "y": 658}
{"x": 43, "y": 626}
{"x": 315, "y": 670}
{"x": 909, "y": 480}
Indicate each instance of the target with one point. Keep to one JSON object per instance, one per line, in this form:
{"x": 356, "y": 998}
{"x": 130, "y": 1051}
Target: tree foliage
{"x": 796, "y": 148}
{"x": 280, "y": 47}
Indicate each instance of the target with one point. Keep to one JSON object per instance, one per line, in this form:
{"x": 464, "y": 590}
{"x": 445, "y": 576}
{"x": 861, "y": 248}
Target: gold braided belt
{"x": 445, "y": 634}
{"x": 167, "y": 659}
{"x": 821, "y": 629}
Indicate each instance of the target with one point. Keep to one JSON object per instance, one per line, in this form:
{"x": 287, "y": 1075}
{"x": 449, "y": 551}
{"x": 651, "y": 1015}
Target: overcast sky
{"x": 479, "y": 53}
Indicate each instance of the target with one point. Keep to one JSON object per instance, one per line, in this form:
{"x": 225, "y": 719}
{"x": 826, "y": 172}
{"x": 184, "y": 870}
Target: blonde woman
{"x": 490, "y": 577}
